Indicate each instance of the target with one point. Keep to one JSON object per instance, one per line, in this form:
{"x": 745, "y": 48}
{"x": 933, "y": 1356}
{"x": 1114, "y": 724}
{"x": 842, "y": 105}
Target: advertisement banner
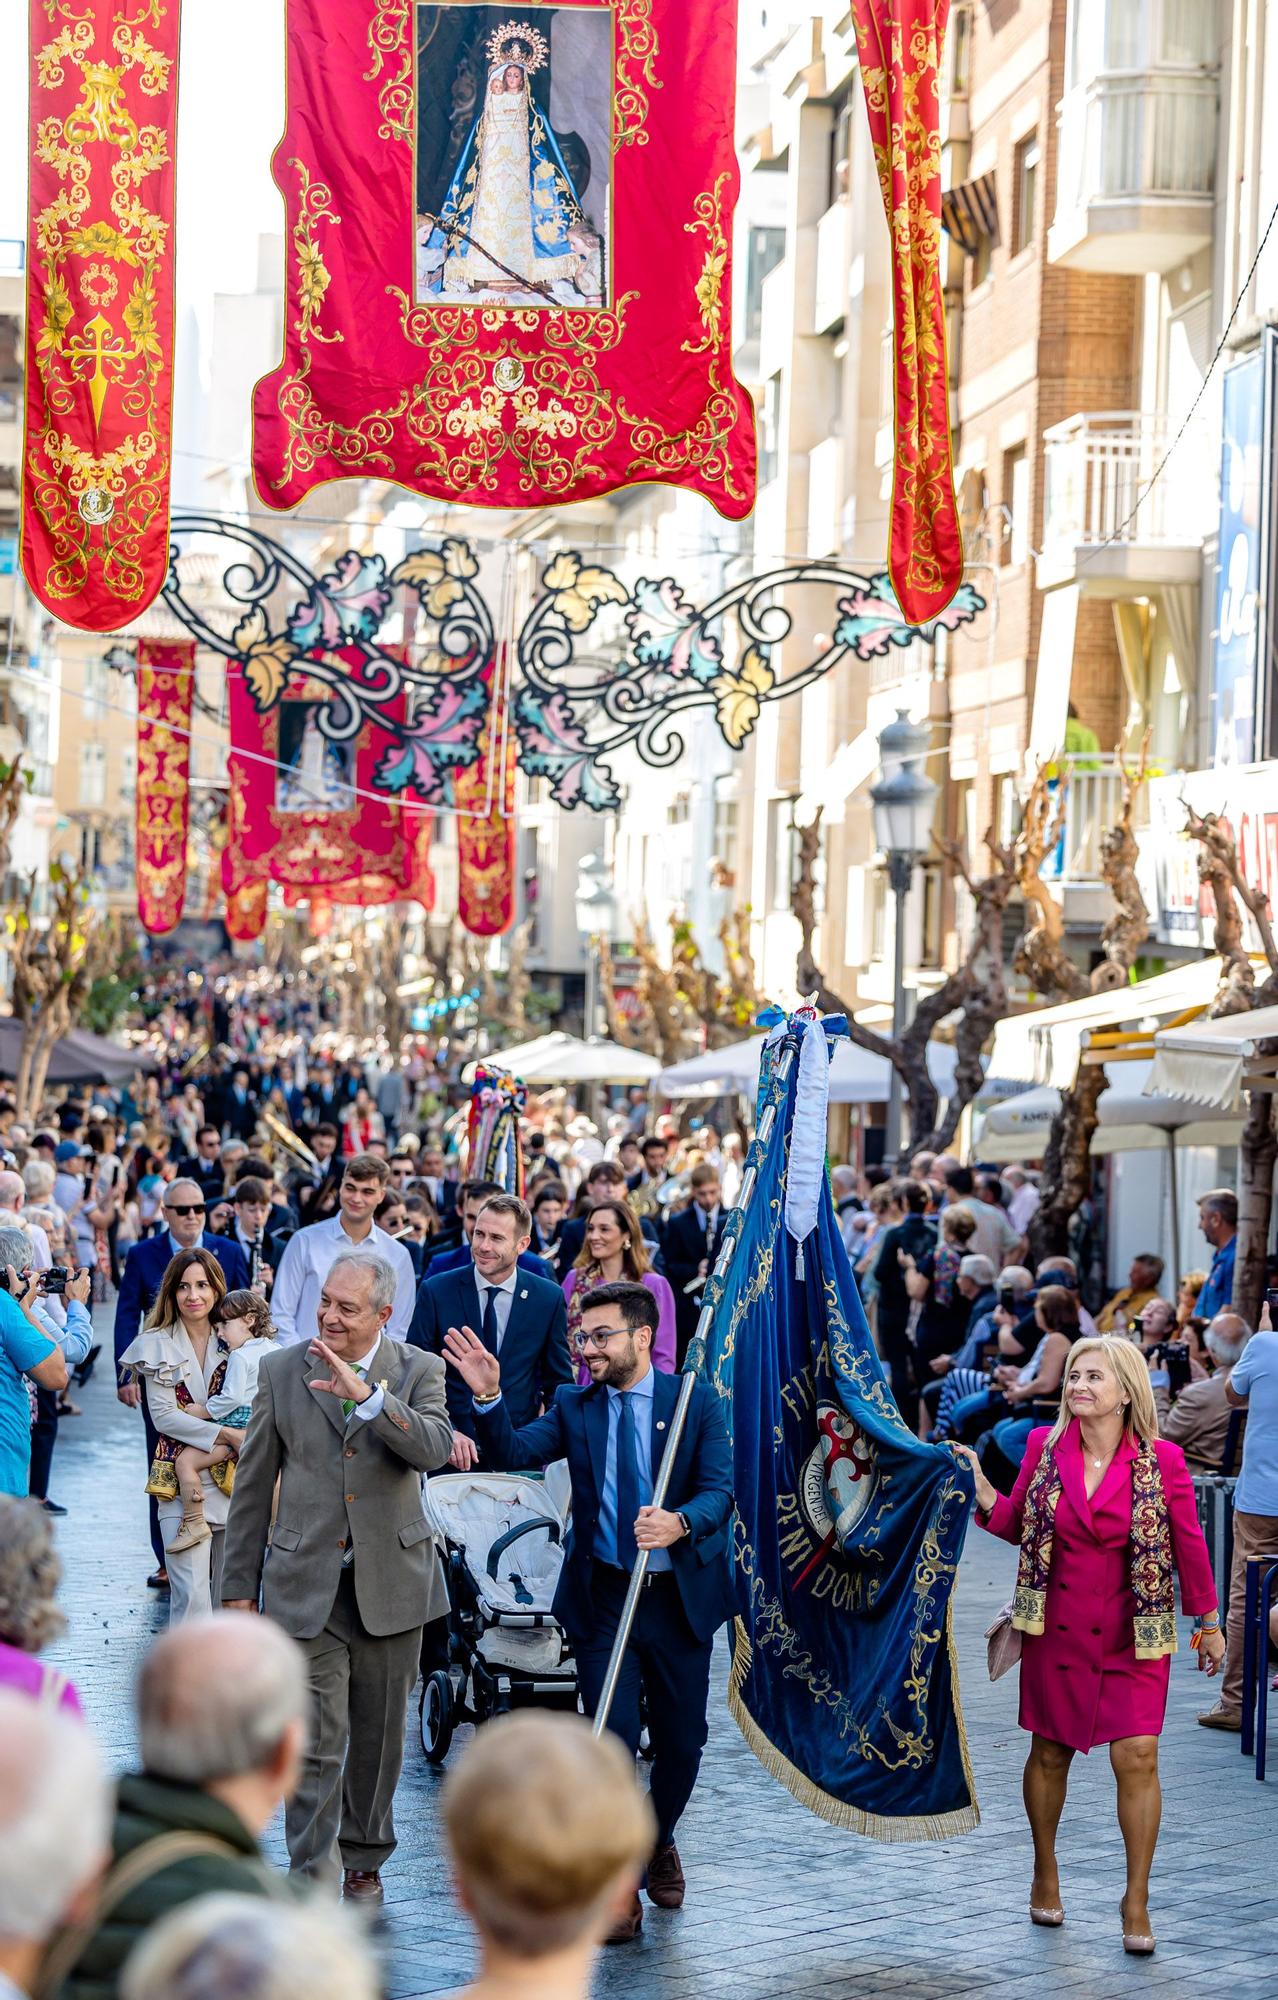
{"x": 99, "y": 331}
{"x": 1242, "y": 564}
{"x": 1246, "y": 801}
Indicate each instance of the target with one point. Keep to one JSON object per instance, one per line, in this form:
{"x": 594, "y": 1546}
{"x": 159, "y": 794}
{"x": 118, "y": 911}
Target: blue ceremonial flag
{"x": 848, "y": 1529}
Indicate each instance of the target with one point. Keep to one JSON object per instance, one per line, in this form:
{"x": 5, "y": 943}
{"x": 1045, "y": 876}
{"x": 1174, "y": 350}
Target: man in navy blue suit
{"x": 474, "y": 1196}
{"x": 144, "y": 1267}
{"x": 521, "y": 1317}
{"x": 611, "y": 1434}
{"x": 692, "y": 1244}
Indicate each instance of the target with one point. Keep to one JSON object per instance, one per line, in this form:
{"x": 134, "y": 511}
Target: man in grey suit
{"x": 348, "y": 1425}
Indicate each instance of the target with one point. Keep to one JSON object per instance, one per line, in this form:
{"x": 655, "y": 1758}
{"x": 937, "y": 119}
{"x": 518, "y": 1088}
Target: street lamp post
{"x": 903, "y": 800}
{"x": 596, "y": 908}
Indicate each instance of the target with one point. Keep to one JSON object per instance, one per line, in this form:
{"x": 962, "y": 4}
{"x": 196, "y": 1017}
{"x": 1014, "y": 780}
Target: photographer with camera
{"x": 1197, "y": 1415}
{"x": 73, "y": 1333}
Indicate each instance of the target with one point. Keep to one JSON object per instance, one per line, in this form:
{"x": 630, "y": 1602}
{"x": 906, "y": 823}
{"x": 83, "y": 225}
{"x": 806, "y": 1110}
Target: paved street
{"x": 779, "y": 1902}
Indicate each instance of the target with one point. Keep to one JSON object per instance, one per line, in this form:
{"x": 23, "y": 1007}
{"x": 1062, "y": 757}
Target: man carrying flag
{"x": 614, "y": 1434}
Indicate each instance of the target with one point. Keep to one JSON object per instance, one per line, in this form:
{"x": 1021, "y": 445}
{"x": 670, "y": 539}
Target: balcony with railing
{"x": 1137, "y": 136}
{"x": 1108, "y": 525}
{"x": 1089, "y": 795}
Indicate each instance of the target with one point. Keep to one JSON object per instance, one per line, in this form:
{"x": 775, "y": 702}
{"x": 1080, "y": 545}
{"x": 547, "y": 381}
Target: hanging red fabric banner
{"x": 245, "y": 908}
{"x": 486, "y": 829}
{"x": 508, "y": 352}
{"x": 162, "y": 810}
{"x": 899, "y": 42}
{"x": 99, "y": 323}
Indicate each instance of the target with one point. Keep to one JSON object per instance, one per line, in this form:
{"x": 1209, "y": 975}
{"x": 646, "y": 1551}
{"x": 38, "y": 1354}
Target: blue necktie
{"x": 628, "y": 1501}
{"x": 488, "y": 1325}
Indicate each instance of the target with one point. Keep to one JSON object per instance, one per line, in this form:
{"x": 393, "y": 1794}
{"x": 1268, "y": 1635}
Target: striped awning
{"x": 970, "y": 212}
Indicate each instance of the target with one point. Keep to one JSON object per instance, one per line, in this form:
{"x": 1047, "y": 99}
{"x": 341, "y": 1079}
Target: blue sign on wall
{"x": 1242, "y": 561}
{"x": 8, "y": 555}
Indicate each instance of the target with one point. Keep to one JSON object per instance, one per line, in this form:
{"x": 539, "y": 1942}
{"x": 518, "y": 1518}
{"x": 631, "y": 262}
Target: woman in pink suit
{"x": 1103, "y": 1512}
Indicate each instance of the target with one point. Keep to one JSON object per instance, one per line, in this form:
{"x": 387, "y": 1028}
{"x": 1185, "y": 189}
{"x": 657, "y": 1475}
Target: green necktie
{"x": 348, "y": 1402}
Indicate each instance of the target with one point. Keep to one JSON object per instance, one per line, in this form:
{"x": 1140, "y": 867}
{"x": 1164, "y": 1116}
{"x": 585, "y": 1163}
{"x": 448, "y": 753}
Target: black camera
{"x": 1007, "y": 1298}
{"x": 54, "y": 1279}
{"x": 1173, "y": 1355}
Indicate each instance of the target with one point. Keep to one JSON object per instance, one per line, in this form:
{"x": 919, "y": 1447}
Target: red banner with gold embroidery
{"x": 245, "y": 907}
{"x": 99, "y": 328}
{"x": 508, "y": 350}
{"x": 899, "y": 42}
{"x": 166, "y": 684}
{"x": 485, "y": 795}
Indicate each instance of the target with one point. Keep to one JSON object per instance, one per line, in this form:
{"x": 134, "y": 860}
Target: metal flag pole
{"x": 692, "y": 1368}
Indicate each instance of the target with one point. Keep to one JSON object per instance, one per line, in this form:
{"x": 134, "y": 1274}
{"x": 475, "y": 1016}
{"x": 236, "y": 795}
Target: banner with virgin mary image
{"x": 508, "y": 253}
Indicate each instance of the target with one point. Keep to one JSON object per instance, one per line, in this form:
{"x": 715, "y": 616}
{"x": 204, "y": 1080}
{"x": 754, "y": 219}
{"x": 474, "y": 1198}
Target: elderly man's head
{"x": 1226, "y": 1338}
{"x": 184, "y": 1210}
{"x": 12, "y": 1191}
{"x": 355, "y": 1304}
{"x": 55, "y": 1821}
{"x": 15, "y": 1248}
{"x": 976, "y": 1275}
{"x": 253, "y": 1948}
{"x": 222, "y": 1704}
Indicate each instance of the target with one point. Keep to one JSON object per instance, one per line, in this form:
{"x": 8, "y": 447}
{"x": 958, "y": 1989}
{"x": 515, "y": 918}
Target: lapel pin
{"x": 660, "y": 1425}
{"x": 524, "y": 1293}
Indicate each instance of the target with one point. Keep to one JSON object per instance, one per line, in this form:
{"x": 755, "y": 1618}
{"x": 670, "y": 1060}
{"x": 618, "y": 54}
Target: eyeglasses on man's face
{"x": 599, "y": 1338}
{"x": 184, "y": 1208}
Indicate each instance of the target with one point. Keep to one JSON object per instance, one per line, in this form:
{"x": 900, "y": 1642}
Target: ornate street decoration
{"x": 598, "y": 667}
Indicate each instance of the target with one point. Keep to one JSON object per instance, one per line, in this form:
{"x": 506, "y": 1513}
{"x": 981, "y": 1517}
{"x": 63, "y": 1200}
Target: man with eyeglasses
{"x": 182, "y": 1228}
{"x": 613, "y": 1434}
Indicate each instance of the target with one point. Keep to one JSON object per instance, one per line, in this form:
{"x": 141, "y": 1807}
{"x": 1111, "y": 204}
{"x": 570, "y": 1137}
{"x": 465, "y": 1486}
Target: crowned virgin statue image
{"x": 511, "y": 228}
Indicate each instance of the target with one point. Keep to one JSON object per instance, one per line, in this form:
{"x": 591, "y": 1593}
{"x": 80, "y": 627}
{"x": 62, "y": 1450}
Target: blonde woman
{"x": 1103, "y": 1512}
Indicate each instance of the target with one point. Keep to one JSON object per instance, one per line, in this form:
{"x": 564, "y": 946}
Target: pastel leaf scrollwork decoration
{"x": 667, "y": 632}
{"x": 578, "y": 590}
{"x": 553, "y": 745}
{"x": 347, "y": 603}
{"x": 438, "y": 575}
{"x": 265, "y": 659}
{"x": 739, "y": 697}
{"x": 444, "y": 738}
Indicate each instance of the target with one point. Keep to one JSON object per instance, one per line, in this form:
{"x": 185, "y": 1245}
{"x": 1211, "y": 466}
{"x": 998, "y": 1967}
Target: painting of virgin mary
{"x": 511, "y": 227}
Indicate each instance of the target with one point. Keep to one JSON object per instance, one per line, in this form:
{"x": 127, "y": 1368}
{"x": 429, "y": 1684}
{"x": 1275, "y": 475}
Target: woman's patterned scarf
{"x": 945, "y": 1271}
{"x": 1151, "y": 1554}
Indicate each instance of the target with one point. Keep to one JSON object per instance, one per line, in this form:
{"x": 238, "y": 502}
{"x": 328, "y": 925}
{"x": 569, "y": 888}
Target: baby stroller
{"x": 502, "y": 1535}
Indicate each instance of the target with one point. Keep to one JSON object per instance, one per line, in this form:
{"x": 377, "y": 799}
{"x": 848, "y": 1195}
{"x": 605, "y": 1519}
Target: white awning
{"x": 1131, "y": 1121}
{"x": 1044, "y": 1047}
{"x": 857, "y": 1076}
{"x": 561, "y": 1058}
{"x": 1208, "y": 1060}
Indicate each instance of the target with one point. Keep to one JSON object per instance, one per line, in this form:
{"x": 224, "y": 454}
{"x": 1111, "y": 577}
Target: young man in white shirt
{"x": 310, "y": 1254}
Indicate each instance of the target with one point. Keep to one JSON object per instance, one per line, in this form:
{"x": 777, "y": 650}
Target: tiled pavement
{"x": 780, "y": 1903}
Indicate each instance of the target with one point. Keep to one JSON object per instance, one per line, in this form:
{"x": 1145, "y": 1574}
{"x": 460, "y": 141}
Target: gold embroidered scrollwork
{"x": 313, "y": 276}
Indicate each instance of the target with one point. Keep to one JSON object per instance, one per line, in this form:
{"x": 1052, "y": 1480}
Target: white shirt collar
{"x": 366, "y": 1360}
{"x": 507, "y": 1284}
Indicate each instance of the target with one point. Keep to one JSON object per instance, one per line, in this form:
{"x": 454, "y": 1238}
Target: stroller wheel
{"x": 436, "y": 1716}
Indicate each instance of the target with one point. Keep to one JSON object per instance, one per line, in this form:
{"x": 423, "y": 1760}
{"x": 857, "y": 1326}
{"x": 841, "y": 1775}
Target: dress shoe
{"x": 158, "y": 1579}
{"x": 665, "y": 1884}
{"x": 627, "y": 1927}
{"x": 85, "y": 1368}
{"x": 52, "y": 1507}
{"x": 1221, "y": 1717}
{"x": 363, "y": 1885}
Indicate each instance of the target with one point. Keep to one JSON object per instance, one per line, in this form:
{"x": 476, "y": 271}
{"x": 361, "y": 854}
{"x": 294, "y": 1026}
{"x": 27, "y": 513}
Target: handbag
{"x": 1003, "y": 1644}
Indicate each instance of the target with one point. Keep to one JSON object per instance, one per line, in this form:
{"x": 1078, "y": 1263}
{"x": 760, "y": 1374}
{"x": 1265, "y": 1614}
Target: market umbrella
{"x": 856, "y": 1076}
{"x": 561, "y": 1058}
{"x": 78, "y": 1058}
{"x": 1130, "y": 1121}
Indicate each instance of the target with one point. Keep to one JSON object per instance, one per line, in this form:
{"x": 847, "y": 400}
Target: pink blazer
{"x": 663, "y": 1340}
{"x": 1081, "y": 1683}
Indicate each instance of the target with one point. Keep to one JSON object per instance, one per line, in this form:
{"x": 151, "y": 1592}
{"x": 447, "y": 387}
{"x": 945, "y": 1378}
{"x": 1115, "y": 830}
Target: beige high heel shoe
{"x": 1138, "y": 1944}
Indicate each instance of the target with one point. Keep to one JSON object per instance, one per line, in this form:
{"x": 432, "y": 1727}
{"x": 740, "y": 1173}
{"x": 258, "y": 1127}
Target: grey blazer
{"x": 343, "y": 1483}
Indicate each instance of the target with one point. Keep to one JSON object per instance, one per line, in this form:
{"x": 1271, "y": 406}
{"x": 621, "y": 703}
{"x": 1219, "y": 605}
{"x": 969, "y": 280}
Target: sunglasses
{"x": 184, "y": 1208}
